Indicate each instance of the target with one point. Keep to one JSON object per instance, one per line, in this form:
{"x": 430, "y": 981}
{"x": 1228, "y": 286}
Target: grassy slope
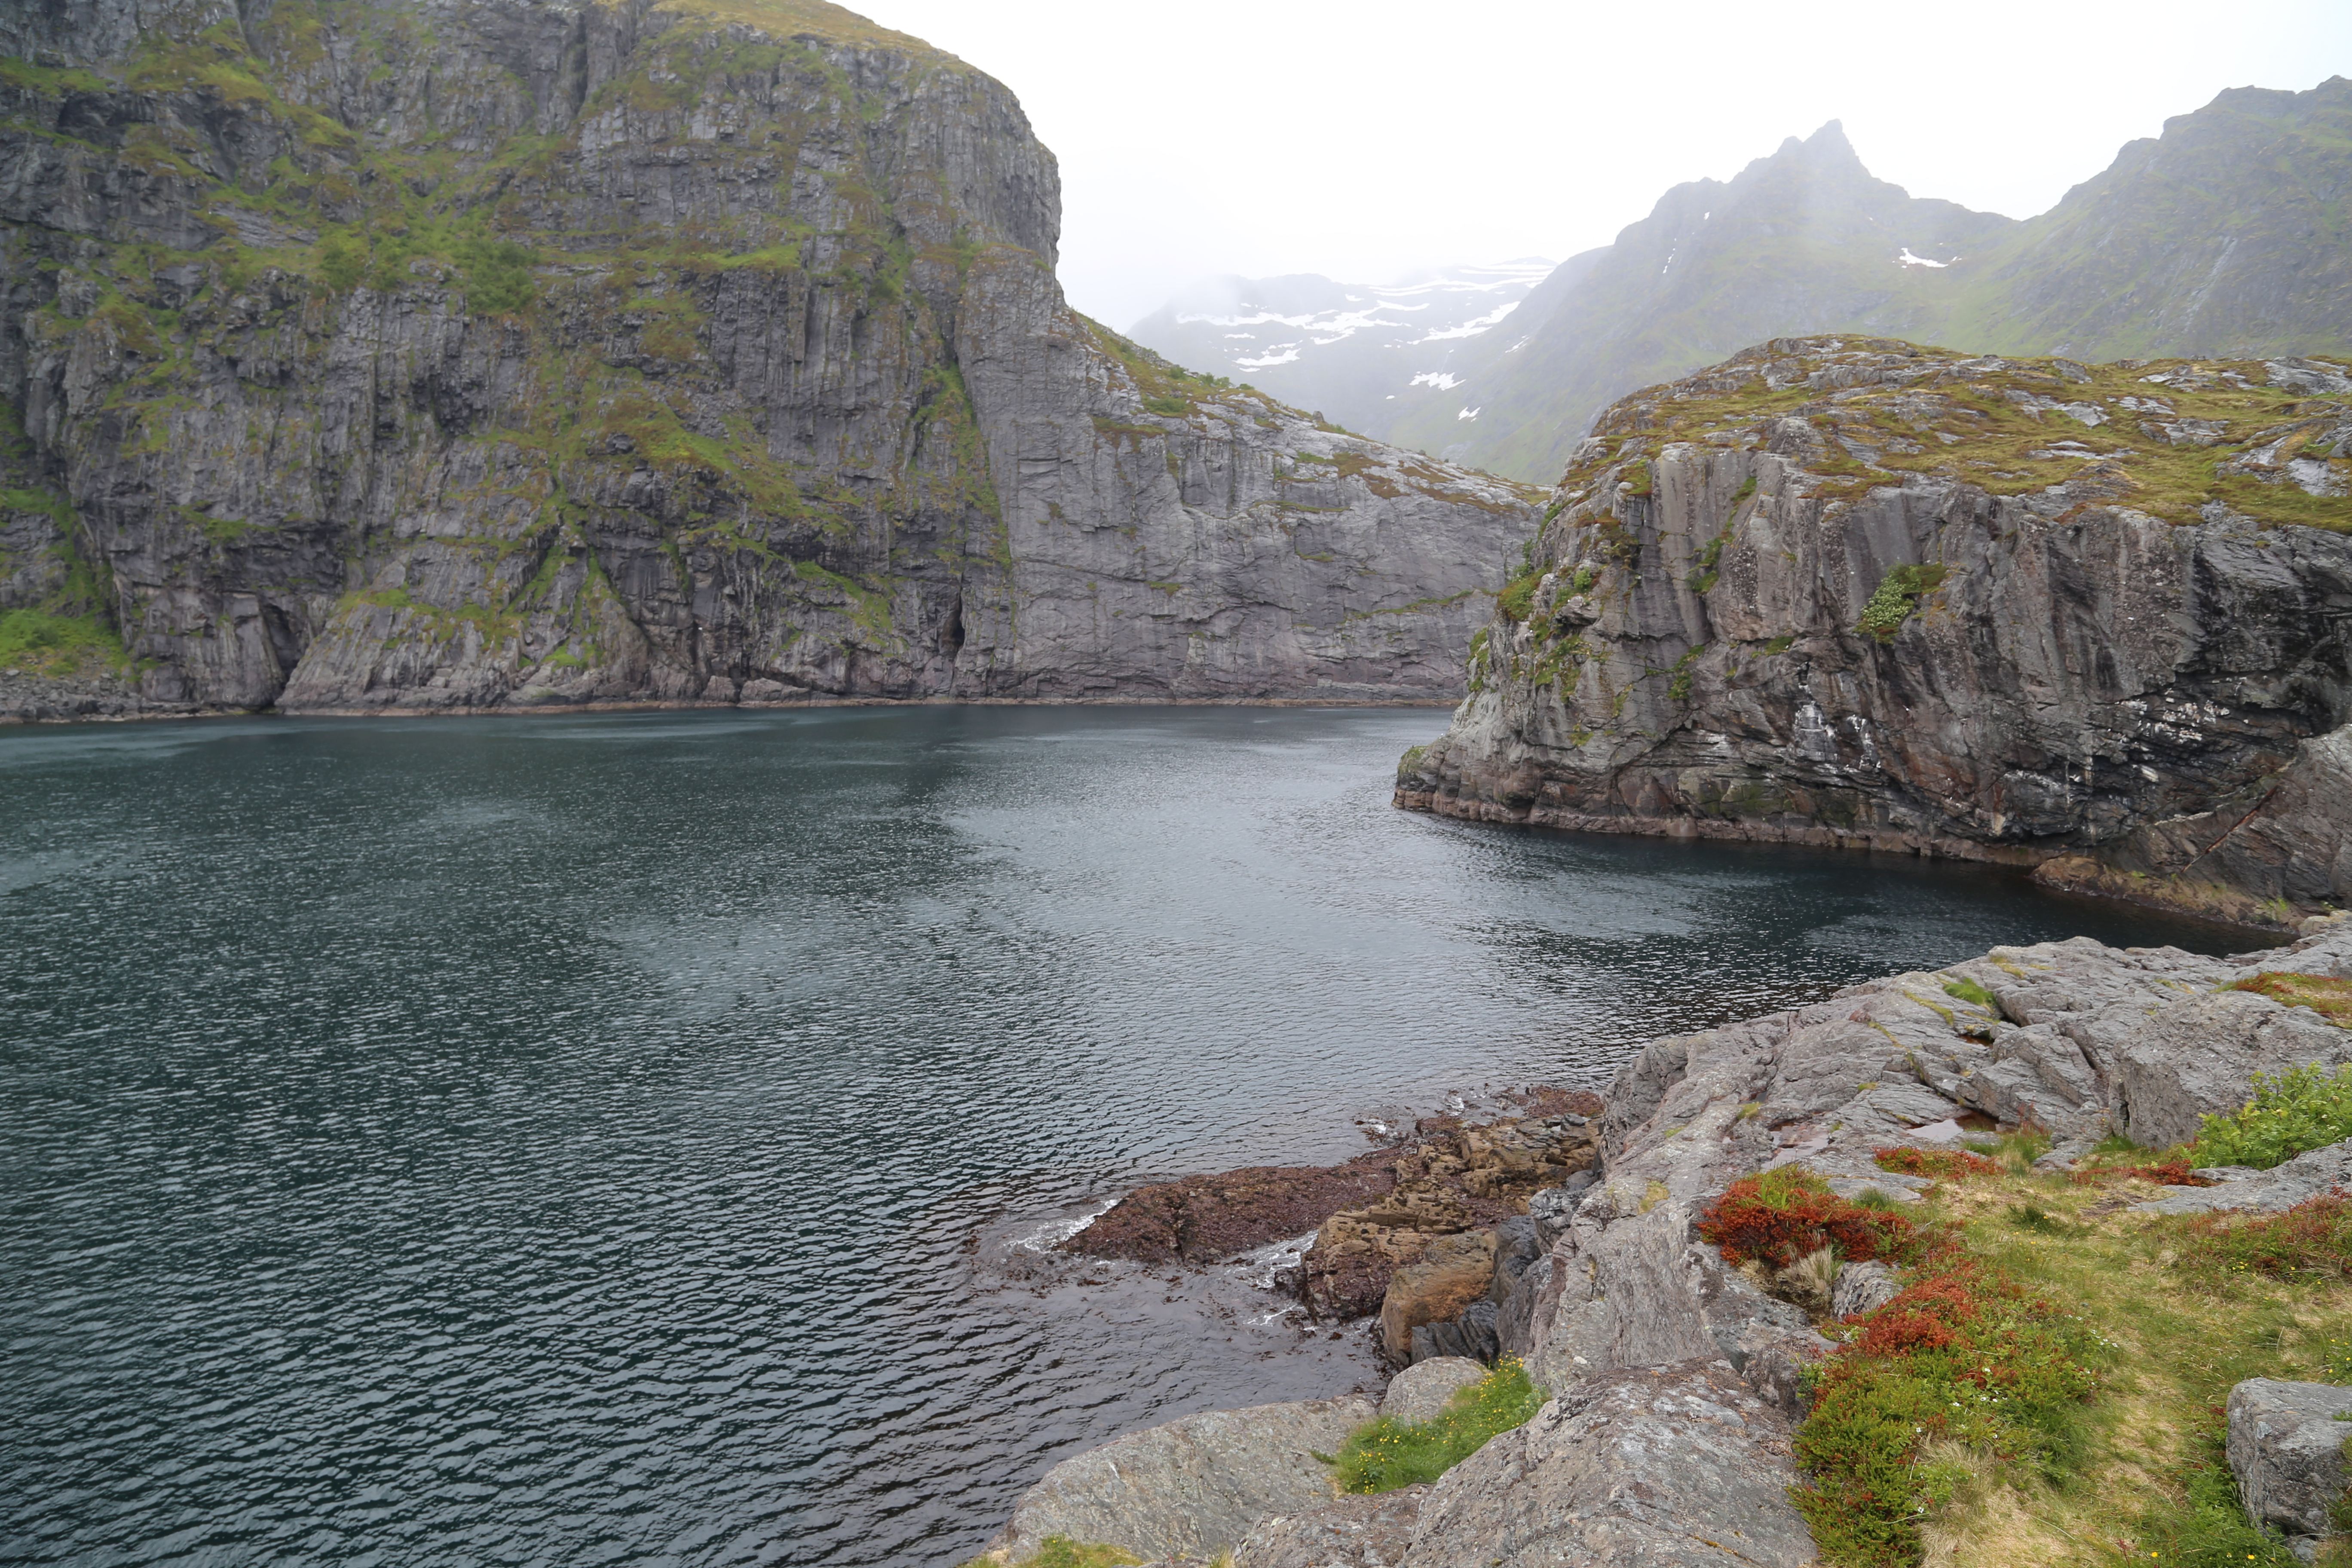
{"x": 2161, "y": 252}
{"x": 2183, "y": 1338}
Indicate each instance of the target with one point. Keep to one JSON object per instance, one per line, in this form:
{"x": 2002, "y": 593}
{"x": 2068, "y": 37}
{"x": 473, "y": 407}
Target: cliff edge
{"x": 1856, "y": 593}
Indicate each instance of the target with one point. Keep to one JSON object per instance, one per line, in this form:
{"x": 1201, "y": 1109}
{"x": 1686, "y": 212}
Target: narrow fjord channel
{"x": 583, "y": 1141}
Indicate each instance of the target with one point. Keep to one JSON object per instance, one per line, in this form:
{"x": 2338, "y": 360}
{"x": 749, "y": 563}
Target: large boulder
{"x": 2286, "y": 1450}
{"x": 1421, "y": 1391}
{"x": 1672, "y": 1467}
{"x": 1453, "y": 1272}
{"x": 1353, "y": 1533}
{"x": 1193, "y": 1486}
{"x": 2198, "y": 1058}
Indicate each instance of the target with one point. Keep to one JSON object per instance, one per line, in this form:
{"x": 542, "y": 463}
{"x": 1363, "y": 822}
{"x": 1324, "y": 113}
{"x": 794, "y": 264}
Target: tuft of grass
{"x": 2206, "y": 1526}
{"x": 2302, "y": 1108}
{"x": 2014, "y": 1152}
{"x": 1968, "y": 991}
{"x": 1384, "y": 1455}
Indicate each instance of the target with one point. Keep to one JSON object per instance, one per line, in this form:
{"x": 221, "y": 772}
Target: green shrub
{"x": 2301, "y": 1109}
{"x": 1384, "y": 1455}
{"x": 498, "y": 276}
{"x": 1518, "y": 596}
{"x": 55, "y": 644}
{"x": 1896, "y": 593}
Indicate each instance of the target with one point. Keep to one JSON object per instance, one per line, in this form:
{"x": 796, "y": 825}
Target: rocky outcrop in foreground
{"x": 2286, "y": 1453}
{"x": 1676, "y": 1380}
{"x": 410, "y": 355}
{"x": 1858, "y": 594}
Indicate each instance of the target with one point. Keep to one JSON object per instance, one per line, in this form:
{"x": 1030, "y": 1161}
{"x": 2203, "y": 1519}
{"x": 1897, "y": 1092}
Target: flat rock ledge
{"x": 1353, "y": 1533}
{"x": 1193, "y": 1487}
{"x": 1672, "y": 1467}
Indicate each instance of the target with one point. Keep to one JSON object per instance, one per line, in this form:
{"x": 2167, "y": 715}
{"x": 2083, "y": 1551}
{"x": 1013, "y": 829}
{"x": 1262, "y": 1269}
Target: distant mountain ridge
{"x": 1346, "y": 349}
{"x": 2227, "y": 235}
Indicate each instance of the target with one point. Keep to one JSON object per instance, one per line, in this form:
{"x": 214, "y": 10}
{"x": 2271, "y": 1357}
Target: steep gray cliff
{"x": 1862, "y": 593}
{"x": 418, "y": 353}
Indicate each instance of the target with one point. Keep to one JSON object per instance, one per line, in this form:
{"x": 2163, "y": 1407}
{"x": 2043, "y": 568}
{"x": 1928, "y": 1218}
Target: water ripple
{"x": 629, "y": 1139}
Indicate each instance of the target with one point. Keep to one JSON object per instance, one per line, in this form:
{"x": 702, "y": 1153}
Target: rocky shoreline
{"x": 1593, "y": 1275}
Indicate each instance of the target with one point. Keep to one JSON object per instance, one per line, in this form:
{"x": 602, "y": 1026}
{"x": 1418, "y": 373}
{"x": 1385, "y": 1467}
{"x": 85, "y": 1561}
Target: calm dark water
{"x": 568, "y": 1141}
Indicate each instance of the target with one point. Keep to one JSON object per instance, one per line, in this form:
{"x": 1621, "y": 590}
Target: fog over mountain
{"x": 1340, "y": 347}
{"x": 2225, "y": 236}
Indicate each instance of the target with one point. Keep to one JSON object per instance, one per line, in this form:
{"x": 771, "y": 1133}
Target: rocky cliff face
{"x": 1857, "y": 592}
{"x": 418, "y": 353}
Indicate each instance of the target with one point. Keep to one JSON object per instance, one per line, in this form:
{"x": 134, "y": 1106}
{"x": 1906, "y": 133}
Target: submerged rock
{"x": 1200, "y": 1219}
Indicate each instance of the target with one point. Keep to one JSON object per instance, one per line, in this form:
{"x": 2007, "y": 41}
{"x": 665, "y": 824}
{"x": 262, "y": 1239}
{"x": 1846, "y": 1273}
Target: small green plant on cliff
{"x": 1517, "y": 596}
{"x": 1384, "y": 1455}
{"x": 1896, "y": 597}
{"x": 2299, "y": 1109}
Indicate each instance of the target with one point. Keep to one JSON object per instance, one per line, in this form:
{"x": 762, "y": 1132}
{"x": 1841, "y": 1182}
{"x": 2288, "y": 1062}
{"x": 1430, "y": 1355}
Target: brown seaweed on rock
{"x": 1373, "y": 1214}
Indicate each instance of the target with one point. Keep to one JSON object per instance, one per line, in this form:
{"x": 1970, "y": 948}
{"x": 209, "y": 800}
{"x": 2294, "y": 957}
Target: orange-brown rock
{"x": 1452, "y": 1272}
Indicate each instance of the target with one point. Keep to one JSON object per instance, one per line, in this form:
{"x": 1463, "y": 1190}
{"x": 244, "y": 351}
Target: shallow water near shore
{"x": 629, "y": 1139}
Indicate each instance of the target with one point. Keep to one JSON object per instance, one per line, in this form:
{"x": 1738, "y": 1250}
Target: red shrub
{"x": 1899, "y": 1333}
{"x": 2172, "y": 1172}
{"x": 1781, "y": 1216}
{"x": 1940, "y": 1163}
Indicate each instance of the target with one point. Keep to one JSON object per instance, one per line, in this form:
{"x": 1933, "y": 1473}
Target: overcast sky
{"x": 1364, "y": 140}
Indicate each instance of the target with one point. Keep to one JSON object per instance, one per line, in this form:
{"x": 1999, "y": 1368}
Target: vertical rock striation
{"x": 422, "y": 354}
